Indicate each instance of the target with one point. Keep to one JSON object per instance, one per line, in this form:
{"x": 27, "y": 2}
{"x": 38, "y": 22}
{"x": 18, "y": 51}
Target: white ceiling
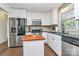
{"x": 35, "y": 7}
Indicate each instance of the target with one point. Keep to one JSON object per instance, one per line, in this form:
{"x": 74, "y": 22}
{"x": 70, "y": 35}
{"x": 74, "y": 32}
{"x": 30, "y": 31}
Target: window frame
{"x": 73, "y": 17}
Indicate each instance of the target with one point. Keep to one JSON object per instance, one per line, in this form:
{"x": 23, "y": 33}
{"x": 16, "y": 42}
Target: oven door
{"x": 69, "y": 49}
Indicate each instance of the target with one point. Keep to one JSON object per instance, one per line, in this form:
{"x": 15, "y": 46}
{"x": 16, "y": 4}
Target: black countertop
{"x": 70, "y": 38}
{"x": 66, "y": 35}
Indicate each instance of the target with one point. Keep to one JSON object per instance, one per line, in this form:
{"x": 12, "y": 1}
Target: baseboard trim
{"x": 4, "y": 42}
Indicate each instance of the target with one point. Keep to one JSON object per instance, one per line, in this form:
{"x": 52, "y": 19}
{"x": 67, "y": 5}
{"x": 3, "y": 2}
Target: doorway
{"x": 3, "y": 30}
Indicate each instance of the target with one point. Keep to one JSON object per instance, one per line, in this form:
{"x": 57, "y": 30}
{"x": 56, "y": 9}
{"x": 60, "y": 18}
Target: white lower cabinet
{"x": 44, "y": 34}
{"x": 55, "y": 42}
{"x": 49, "y": 40}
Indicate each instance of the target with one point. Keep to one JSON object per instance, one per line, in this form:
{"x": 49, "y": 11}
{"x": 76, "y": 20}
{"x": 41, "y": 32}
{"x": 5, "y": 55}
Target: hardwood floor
{"x": 12, "y": 52}
{"x": 3, "y": 47}
{"x": 48, "y": 51}
{"x": 5, "y": 51}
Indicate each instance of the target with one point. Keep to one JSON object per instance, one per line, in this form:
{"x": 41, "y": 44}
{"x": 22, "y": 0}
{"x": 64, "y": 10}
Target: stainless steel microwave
{"x": 36, "y": 22}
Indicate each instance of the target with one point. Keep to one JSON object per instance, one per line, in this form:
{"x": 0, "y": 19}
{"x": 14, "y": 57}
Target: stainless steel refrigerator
{"x": 16, "y": 31}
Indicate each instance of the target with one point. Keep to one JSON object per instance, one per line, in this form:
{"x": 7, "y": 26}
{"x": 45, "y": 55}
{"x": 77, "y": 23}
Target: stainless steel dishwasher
{"x": 69, "y": 49}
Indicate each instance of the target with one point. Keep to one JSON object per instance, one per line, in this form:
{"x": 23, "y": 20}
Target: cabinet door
{"x": 46, "y": 19}
{"x": 57, "y": 44}
{"x": 45, "y": 22}
{"x": 54, "y": 41}
{"x": 44, "y": 34}
{"x": 54, "y": 16}
{"x": 50, "y": 40}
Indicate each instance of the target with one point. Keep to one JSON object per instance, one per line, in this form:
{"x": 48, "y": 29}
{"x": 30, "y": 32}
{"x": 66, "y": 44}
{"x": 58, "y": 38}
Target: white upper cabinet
{"x": 76, "y": 5}
{"x": 33, "y": 15}
{"x": 54, "y": 16}
{"x": 17, "y": 13}
{"x": 46, "y": 19}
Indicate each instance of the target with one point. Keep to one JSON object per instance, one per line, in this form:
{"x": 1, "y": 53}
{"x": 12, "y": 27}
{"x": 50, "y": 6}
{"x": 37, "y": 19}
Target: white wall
{"x": 3, "y": 27}
{"x": 3, "y": 23}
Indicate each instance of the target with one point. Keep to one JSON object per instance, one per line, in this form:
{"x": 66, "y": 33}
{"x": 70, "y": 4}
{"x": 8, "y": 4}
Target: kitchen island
{"x": 33, "y": 45}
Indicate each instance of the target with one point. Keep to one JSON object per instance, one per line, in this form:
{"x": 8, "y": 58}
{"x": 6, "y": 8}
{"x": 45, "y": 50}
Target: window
{"x": 68, "y": 19}
{"x": 67, "y": 15}
{"x": 69, "y": 23}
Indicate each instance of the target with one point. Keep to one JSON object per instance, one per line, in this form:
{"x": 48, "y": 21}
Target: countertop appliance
{"x": 16, "y": 31}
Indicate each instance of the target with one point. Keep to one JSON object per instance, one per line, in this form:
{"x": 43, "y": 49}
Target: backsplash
{"x": 75, "y": 32}
{"x": 43, "y": 29}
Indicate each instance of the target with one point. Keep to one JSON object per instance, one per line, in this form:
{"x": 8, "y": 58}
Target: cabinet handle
{"x": 53, "y": 38}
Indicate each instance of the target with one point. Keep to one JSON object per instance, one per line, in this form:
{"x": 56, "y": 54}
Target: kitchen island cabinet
{"x": 33, "y": 45}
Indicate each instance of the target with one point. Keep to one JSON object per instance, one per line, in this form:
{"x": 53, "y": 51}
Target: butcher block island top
{"x": 32, "y": 37}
